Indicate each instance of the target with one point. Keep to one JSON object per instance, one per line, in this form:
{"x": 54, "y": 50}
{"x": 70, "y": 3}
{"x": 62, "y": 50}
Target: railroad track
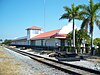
{"x": 68, "y": 68}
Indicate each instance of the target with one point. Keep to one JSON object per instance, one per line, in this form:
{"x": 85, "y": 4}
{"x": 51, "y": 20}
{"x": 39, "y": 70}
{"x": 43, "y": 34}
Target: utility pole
{"x": 44, "y": 15}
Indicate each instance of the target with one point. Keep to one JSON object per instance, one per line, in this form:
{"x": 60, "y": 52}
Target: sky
{"x": 18, "y": 15}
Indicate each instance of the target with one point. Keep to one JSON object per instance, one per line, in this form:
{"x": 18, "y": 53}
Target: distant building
{"x": 36, "y": 37}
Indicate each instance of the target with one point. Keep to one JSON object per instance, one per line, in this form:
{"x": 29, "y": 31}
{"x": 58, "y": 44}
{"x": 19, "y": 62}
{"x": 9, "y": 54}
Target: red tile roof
{"x": 34, "y": 28}
{"x": 46, "y": 34}
{"x": 61, "y": 36}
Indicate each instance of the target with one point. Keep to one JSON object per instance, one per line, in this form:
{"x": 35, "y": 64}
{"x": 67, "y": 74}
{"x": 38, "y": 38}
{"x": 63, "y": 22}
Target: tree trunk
{"x": 92, "y": 49}
{"x": 71, "y": 45}
{"x": 73, "y": 36}
{"x": 86, "y": 28}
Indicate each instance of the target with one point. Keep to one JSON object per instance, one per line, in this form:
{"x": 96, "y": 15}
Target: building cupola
{"x": 33, "y": 31}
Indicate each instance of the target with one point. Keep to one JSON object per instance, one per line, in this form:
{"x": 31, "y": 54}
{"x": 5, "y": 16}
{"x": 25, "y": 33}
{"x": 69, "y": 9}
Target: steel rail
{"x": 68, "y": 68}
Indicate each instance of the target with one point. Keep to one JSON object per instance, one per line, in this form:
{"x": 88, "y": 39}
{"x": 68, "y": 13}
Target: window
{"x": 36, "y": 31}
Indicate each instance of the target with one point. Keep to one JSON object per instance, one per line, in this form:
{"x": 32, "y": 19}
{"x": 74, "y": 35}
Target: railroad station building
{"x": 36, "y": 37}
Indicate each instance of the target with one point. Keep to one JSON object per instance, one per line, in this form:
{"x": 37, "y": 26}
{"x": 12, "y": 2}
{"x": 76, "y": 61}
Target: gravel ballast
{"x": 83, "y": 63}
{"x": 87, "y": 64}
{"x": 29, "y": 66}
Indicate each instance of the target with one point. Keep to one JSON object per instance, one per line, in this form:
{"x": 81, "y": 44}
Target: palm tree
{"x": 79, "y": 36}
{"x": 72, "y": 14}
{"x": 91, "y": 16}
{"x": 69, "y": 40}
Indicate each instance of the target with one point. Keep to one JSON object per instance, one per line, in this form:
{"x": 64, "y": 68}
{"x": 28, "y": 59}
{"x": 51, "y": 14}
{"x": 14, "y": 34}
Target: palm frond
{"x": 67, "y": 9}
{"x": 73, "y": 7}
{"x": 96, "y": 7}
{"x": 84, "y": 23}
{"x": 91, "y": 4}
{"x": 78, "y": 7}
{"x": 98, "y": 16}
{"x": 69, "y": 19}
{"x": 82, "y": 15}
{"x": 85, "y": 9}
{"x": 65, "y": 16}
{"x": 98, "y": 23}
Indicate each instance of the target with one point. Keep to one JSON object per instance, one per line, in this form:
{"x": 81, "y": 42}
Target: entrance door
{"x": 33, "y": 42}
{"x": 62, "y": 42}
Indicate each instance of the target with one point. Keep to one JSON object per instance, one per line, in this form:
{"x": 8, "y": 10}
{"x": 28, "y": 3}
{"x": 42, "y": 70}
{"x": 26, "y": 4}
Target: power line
{"x": 44, "y": 15}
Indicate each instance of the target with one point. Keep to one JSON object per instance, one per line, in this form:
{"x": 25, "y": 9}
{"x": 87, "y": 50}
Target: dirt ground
{"x": 7, "y": 66}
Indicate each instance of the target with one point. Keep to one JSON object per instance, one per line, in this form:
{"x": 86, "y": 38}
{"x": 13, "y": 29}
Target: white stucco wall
{"x": 32, "y": 33}
{"x": 66, "y": 29}
{"x": 21, "y": 42}
{"x": 38, "y": 42}
{"x": 13, "y": 43}
{"x": 52, "y": 42}
{"x": 47, "y": 42}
